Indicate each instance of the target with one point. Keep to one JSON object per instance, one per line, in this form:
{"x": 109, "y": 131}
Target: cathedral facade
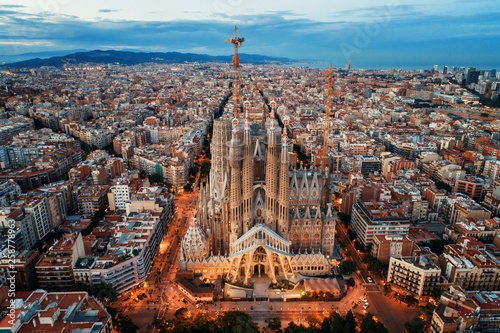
{"x": 259, "y": 214}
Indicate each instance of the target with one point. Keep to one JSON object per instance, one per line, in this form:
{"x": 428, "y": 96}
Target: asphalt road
{"x": 390, "y": 312}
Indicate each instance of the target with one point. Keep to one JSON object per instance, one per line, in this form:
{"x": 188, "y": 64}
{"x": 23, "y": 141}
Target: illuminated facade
{"x": 259, "y": 214}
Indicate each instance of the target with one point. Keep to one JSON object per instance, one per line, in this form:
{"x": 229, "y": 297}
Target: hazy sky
{"x": 371, "y": 33}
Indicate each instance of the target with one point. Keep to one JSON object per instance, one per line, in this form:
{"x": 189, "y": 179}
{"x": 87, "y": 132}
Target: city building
{"x": 38, "y": 208}
{"x": 460, "y": 208}
{"x": 93, "y": 199}
{"x": 57, "y": 312}
{"x": 488, "y": 318}
{"x": 372, "y": 218}
{"x": 418, "y": 277}
{"x": 120, "y": 251}
{"x": 119, "y": 196}
{"x": 24, "y": 268}
{"x": 469, "y": 267}
{"x": 454, "y": 313}
{"x": 55, "y": 268}
{"x": 472, "y": 186}
{"x": 384, "y": 247}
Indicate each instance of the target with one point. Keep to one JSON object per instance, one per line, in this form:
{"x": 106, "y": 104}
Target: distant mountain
{"x": 4, "y": 59}
{"x": 134, "y": 58}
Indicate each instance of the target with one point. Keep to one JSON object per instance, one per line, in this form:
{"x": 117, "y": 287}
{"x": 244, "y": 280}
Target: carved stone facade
{"x": 260, "y": 214}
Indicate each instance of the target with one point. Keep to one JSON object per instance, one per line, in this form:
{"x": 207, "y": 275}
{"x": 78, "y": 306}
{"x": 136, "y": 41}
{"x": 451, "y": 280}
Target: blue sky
{"x": 371, "y": 33}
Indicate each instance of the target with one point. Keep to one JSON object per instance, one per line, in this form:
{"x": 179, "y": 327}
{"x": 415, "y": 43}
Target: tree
{"x": 337, "y": 322}
{"x": 181, "y": 314}
{"x": 202, "y": 322}
{"x": 345, "y": 218}
{"x": 358, "y": 245}
{"x": 193, "y": 170}
{"x": 205, "y": 168}
{"x": 274, "y": 324}
{"x": 374, "y": 266}
{"x": 94, "y": 222}
{"x": 350, "y": 320}
{"x": 387, "y": 288}
{"x": 368, "y": 257}
{"x": 347, "y": 267}
{"x": 436, "y": 293}
{"x": 436, "y": 245}
{"x": 103, "y": 292}
{"x": 347, "y": 328}
{"x": 416, "y": 325}
{"x": 325, "y": 326}
{"x": 410, "y": 299}
{"x": 440, "y": 185}
{"x": 369, "y": 325}
{"x": 351, "y": 234}
{"x": 235, "y": 322}
{"x": 313, "y": 320}
{"x": 155, "y": 178}
{"x": 123, "y": 324}
{"x": 294, "y": 328}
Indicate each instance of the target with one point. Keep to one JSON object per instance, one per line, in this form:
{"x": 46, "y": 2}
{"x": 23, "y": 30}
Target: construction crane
{"x": 236, "y": 41}
{"x": 328, "y": 106}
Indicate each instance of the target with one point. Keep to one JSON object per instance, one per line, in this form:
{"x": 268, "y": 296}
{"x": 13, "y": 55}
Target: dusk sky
{"x": 371, "y": 33}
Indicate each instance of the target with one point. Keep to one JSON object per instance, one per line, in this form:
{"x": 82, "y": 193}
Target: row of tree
{"x": 236, "y": 322}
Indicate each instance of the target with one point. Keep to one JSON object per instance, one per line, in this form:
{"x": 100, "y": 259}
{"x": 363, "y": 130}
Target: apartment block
{"x": 57, "y": 312}
{"x": 24, "y": 268}
{"x": 92, "y": 199}
{"x": 384, "y": 247}
{"x": 455, "y": 313}
{"x": 55, "y": 268}
{"x": 419, "y": 276}
{"x": 372, "y": 218}
{"x": 470, "y": 268}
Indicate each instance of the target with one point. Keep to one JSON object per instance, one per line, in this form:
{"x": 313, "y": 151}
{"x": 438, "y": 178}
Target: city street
{"x": 391, "y": 313}
{"x": 160, "y": 294}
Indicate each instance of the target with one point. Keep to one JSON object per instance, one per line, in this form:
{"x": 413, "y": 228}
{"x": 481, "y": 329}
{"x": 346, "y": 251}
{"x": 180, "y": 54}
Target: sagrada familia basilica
{"x": 258, "y": 214}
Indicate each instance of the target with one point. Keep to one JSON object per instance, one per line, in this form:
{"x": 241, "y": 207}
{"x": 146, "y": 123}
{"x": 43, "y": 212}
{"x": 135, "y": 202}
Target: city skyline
{"x": 376, "y": 34}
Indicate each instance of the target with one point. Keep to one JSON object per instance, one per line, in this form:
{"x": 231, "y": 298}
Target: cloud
{"x": 12, "y": 6}
{"x": 392, "y": 9}
{"x": 399, "y": 39}
{"x": 106, "y": 10}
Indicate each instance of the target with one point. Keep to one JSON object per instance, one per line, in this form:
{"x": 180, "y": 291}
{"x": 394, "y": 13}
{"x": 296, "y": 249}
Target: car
{"x": 363, "y": 299}
{"x": 366, "y": 305}
{"x": 369, "y": 279}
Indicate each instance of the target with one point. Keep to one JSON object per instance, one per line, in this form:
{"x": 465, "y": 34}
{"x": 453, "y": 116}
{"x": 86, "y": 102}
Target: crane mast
{"x": 328, "y": 106}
